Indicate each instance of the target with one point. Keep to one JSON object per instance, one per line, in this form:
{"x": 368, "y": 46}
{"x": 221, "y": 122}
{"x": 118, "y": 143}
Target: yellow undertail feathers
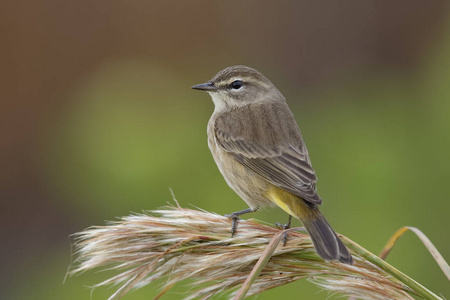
{"x": 325, "y": 240}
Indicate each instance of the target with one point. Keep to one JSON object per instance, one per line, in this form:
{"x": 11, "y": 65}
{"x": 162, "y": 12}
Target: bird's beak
{"x": 209, "y": 87}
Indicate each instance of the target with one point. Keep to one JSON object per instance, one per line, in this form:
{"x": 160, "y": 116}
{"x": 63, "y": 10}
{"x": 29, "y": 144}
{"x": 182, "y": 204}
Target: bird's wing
{"x": 266, "y": 139}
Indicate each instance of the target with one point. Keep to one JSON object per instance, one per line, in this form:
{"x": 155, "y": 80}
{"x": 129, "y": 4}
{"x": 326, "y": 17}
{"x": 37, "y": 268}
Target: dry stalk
{"x": 178, "y": 244}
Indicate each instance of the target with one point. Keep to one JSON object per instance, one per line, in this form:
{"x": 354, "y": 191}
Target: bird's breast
{"x": 250, "y": 186}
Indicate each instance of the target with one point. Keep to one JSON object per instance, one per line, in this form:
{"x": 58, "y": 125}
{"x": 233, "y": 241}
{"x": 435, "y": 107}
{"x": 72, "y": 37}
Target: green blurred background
{"x": 98, "y": 120}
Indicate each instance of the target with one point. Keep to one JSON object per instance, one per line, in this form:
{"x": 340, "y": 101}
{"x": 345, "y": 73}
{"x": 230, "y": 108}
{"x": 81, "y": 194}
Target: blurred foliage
{"x": 379, "y": 141}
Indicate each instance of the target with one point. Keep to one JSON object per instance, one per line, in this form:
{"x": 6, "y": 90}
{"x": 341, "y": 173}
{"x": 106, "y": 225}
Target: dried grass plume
{"x": 177, "y": 243}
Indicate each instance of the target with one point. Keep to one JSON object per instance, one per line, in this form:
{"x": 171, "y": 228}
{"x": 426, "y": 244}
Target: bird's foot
{"x": 235, "y": 217}
{"x": 284, "y": 227}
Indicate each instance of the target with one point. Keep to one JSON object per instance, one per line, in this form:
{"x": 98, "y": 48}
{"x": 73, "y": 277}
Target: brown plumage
{"x": 259, "y": 149}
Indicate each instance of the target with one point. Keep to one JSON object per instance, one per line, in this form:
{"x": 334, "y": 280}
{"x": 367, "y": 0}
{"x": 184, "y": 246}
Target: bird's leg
{"x": 284, "y": 227}
{"x": 235, "y": 217}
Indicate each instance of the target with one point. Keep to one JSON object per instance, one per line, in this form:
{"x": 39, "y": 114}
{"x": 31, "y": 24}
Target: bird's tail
{"x": 327, "y": 243}
{"x": 325, "y": 240}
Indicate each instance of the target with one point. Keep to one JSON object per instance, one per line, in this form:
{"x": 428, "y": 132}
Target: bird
{"x": 259, "y": 149}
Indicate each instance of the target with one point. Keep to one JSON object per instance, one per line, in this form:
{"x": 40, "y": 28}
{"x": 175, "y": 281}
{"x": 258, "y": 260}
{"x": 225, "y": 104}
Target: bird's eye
{"x": 237, "y": 84}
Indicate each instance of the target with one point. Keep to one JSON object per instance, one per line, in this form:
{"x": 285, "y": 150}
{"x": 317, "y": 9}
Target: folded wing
{"x": 266, "y": 139}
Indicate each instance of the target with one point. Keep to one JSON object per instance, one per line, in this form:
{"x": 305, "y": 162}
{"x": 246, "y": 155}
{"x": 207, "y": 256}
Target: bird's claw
{"x": 284, "y": 227}
{"x": 234, "y": 218}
